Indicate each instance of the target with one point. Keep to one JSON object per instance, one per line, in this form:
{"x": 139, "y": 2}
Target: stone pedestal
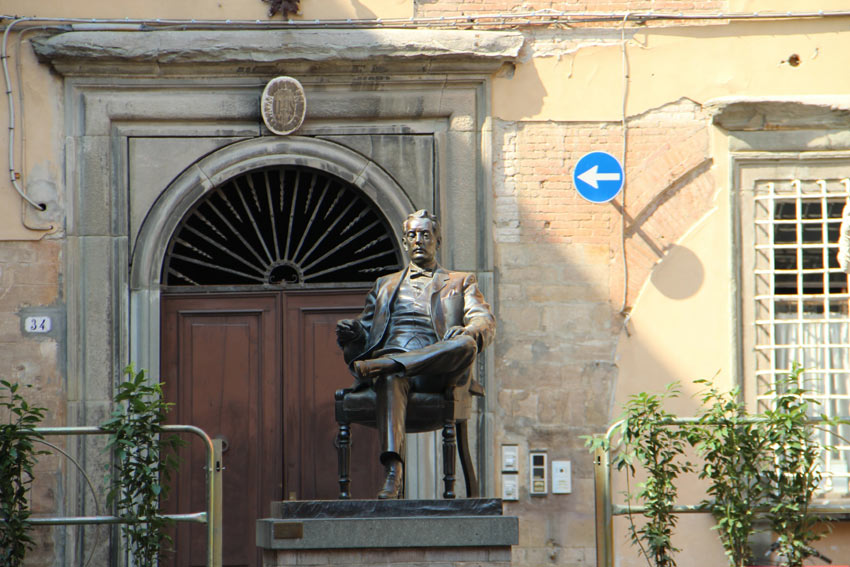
{"x": 388, "y": 532}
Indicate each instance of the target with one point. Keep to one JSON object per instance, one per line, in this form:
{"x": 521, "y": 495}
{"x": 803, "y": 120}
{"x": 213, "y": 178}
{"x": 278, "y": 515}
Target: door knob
{"x": 225, "y": 444}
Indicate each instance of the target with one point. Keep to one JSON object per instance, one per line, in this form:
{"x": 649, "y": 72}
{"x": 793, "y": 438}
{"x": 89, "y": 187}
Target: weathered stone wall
{"x": 30, "y": 277}
{"x": 559, "y": 281}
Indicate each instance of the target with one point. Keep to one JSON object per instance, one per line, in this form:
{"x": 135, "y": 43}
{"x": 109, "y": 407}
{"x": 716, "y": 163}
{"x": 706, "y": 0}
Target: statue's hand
{"x": 453, "y": 332}
{"x": 348, "y": 330}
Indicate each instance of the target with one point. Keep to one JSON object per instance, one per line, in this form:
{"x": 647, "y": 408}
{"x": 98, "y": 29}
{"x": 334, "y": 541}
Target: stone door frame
{"x": 122, "y": 88}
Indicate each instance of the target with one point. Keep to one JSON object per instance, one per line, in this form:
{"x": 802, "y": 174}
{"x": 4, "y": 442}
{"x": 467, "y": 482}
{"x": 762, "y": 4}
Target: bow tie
{"x": 418, "y": 272}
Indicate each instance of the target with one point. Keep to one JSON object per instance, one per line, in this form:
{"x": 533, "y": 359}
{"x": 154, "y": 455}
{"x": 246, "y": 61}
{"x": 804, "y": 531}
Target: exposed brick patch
{"x": 538, "y": 212}
{"x": 669, "y": 188}
{"x": 534, "y": 200}
{"x": 669, "y": 184}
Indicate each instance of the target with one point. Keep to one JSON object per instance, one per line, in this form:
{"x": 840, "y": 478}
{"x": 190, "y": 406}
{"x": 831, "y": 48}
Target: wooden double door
{"x": 259, "y": 371}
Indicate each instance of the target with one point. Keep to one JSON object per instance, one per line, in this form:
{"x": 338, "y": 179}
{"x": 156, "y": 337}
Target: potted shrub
{"x": 18, "y": 456}
{"x": 764, "y": 467}
{"x": 646, "y": 438}
{"x": 794, "y": 474}
{"x": 145, "y": 458}
{"x": 734, "y": 453}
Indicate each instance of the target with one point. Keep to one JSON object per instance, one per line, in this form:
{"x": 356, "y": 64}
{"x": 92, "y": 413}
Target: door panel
{"x": 220, "y": 366}
{"x": 260, "y": 370}
{"x": 314, "y": 370}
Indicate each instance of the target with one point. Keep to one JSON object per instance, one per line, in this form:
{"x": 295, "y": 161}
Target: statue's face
{"x": 420, "y": 242}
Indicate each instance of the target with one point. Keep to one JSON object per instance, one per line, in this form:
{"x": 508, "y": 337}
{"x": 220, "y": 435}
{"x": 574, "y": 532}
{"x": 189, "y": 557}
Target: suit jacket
{"x": 455, "y": 301}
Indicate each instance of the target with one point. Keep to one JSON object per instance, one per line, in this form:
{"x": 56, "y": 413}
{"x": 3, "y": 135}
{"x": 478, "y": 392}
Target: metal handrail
{"x": 606, "y": 509}
{"x": 212, "y": 516}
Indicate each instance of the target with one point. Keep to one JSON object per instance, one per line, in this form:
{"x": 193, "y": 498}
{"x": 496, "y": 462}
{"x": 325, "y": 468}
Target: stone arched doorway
{"x": 262, "y": 247}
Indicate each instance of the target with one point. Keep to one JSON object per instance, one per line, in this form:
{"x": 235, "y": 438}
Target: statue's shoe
{"x": 393, "y": 482}
{"x": 370, "y": 369}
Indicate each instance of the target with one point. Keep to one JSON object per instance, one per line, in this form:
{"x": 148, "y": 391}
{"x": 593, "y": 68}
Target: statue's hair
{"x": 424, "y": 214}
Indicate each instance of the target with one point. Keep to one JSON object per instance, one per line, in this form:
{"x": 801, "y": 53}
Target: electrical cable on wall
{"x": 490, "y": 20}
{"x": 625, "y": 67}
{"x": 13, "y": 177}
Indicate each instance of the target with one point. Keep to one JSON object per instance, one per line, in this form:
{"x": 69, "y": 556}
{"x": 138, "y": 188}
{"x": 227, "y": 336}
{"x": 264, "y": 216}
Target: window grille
{"x": 801, "y": 301}
{"x": 281, "y": 226}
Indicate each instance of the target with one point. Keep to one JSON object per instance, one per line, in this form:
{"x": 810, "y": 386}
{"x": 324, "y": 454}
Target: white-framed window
{"x": 795, "y": 297}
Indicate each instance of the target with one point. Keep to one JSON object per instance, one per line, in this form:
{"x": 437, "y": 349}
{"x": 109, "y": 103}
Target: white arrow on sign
{"x": 592, "y": 176}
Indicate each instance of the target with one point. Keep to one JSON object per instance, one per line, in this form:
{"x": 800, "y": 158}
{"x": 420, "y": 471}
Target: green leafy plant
{"x": 144, "y": 462}
{"x": 734, "y": 454}
{"x": 794, "y": 473}
{"x": 18, "y": 456}
{"x": 648, "y": 440}
{"x": 763, "y": 467}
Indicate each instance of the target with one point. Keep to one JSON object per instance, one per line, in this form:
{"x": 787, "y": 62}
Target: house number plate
{"x": 38, "y": 324}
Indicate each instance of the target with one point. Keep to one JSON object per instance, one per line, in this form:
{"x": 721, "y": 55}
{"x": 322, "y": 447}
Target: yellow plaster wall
{"x": 681, "y": 329}
{"x": 697, "y": 62}
{"x": 692, "y": 292}
{"x": 11, "y": 227}
{"x": 205, "y": 9}
{"x": 38, "y": 140}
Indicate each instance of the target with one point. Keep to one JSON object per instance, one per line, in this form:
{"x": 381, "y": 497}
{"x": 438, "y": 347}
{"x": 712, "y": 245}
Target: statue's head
{"x": 422, "y": 238}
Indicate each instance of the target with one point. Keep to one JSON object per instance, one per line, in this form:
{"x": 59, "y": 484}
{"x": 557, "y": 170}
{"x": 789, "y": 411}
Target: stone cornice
{"x": 776, "y": 113}
{"x": 259, "y": 52}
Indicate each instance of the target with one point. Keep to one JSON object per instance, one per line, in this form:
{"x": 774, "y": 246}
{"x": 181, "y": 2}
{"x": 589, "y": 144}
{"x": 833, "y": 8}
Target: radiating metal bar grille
{"x": 801, "y": 301}
{"x": 281, "y": 226}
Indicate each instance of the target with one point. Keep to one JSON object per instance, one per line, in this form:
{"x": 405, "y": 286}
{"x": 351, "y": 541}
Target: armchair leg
{"x": 343, "y": 448}
{"x": 466, "y": 461}
{"x": 449, "y": 451}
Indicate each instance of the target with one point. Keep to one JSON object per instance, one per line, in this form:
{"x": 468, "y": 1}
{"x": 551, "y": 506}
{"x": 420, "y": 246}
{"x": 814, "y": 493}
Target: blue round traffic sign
{"x": 598, "y": 177}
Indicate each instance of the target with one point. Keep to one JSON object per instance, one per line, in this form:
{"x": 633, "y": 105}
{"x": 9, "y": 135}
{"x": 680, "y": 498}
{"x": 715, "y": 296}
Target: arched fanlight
{"x": 281, "y": 226}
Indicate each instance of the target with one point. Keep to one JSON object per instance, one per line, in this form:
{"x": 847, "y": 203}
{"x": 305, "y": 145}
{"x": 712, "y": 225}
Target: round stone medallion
{"x": 283, "y": 105}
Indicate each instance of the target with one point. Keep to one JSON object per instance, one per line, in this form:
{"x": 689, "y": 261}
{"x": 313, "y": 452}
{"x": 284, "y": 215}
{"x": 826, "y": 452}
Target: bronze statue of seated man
{"x": 420, "y": 331}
